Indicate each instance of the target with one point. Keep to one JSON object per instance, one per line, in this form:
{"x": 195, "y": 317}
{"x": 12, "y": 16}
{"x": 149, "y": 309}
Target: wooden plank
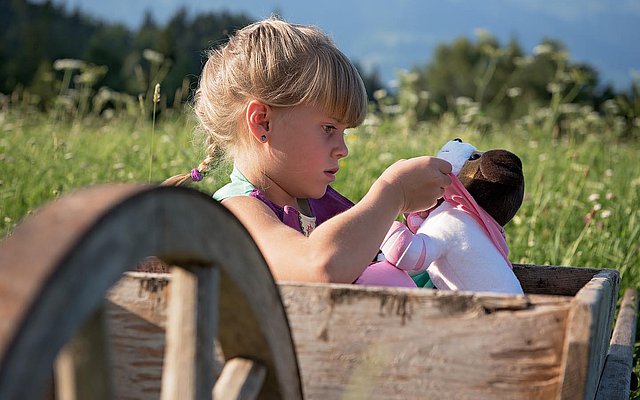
{"x": 553, "y": 279}
{"x": 191, "y": 327}
{"x": 82, "y": 368}
{"x": 615, "y": 381}
{"x": 398, "y": 343}
{"x": 241, "y": 379}
{"x": 588, "y": 333}
{"x": 375, "y": 343}
{"x": 136, "y": 310}
{"x": 395, "y": 343}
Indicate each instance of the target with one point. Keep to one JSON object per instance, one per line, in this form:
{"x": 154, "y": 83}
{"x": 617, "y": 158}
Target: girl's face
{"x": 305, "y": 145}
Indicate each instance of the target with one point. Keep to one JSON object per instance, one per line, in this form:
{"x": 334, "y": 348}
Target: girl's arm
{"x": 339, "y": 249}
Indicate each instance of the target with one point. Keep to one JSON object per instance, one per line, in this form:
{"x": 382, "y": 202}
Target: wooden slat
{"x": 394, "y": 343}
{"x": 136, "y": 310}
{"x": 374, "y": 343}
{"x": 615, "y": 381}
{"x": 588, "y": 333}
{"x": 241, "y": 379}
{"x": 553, "y": 279}
{"x": 82, "y": 368}
{"x": 384, "y": 343}
{"x": 191, "y": 327}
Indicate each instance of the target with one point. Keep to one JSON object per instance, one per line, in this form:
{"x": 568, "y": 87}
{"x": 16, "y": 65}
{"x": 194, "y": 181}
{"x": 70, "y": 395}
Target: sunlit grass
{"x": 580, "y": 208}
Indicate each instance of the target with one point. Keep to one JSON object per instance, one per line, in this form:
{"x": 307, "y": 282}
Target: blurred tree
{"x": 371, "y": 80}
{"x": 107, "y": 47}
{"x": 470, "y": 78}
{"x": 501, "y": 81}
{"x": 36, "y": 33}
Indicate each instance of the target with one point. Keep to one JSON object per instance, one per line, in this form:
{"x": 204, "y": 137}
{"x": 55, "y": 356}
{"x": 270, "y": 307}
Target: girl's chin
{"x": 318, "y": 193}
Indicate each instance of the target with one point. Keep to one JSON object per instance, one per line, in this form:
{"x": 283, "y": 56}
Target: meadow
{"x": 582, "y": 188}
{"x": 582, "y": 183}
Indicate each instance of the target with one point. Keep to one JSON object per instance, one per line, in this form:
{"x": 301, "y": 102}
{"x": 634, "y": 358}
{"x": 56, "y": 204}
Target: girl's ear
{"x": 258, "y": 120}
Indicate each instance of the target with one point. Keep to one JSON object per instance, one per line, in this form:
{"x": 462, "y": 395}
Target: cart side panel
{"x": 588, "y": 334}
{"x": 136, "y": 309}
{"x": 553, "y": 279}
{"x": 384, "y": 343}
{"x": 392, "y": 343}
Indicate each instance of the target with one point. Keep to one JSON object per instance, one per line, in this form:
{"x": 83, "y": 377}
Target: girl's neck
{"x": 271, "y": 190}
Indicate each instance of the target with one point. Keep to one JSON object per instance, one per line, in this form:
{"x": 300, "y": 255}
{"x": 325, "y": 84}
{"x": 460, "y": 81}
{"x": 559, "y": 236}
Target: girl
{"x": 277, "y": 99}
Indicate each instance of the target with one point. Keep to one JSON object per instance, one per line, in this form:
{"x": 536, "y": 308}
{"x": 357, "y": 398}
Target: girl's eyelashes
{"x": 329, "y": 129}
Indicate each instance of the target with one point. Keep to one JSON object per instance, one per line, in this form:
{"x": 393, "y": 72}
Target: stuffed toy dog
{"x": 461, "y": 244}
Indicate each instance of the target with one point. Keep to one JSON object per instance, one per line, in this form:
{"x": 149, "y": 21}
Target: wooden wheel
{"x": 59, "y": 263}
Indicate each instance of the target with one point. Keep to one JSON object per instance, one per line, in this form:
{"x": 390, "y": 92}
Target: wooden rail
{"x": 616, "y": 376}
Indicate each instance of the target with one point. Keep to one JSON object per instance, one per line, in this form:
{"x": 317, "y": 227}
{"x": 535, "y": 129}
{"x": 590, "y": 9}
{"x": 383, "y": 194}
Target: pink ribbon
{"x": 459, "y": 197}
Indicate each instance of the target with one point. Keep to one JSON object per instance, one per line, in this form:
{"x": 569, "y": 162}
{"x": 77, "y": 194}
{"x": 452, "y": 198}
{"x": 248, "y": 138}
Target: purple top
{"x": 329, "y": 205}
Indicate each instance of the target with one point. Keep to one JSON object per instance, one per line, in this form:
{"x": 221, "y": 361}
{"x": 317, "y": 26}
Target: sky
{"x": 391, "y": 35}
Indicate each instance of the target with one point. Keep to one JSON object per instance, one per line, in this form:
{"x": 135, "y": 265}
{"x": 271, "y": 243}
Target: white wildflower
{"x": 153, "y": 56}
{"x": 514, "y": 92}
{"x": 542, "y": 49}
{"x": 67, "y": 63}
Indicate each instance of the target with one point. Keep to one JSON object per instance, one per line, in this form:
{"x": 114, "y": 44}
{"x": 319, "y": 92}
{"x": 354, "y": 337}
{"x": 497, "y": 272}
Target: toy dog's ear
{"x": 496, "y": 182}
{"x": 502, "y": 166}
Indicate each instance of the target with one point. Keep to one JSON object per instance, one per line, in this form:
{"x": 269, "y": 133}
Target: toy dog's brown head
{"x": 495, "y": 180}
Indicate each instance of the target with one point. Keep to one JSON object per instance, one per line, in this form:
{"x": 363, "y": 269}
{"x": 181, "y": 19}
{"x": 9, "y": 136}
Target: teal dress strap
{"x": 239, "y": 186}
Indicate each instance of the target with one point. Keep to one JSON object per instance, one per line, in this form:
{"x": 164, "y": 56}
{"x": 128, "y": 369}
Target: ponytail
{"x": 196, "y": 174}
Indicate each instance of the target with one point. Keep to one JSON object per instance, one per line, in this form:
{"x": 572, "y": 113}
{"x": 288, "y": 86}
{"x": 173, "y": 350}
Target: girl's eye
{"x": 329, "y": 129}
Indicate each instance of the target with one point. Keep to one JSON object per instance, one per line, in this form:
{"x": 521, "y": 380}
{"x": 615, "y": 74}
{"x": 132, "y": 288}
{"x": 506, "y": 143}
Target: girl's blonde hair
{"x": 277, "y": 63}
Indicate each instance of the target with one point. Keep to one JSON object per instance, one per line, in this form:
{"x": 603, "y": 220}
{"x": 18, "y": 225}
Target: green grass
{"x": 580, "y": 208}
{"x": 581, "y": 205}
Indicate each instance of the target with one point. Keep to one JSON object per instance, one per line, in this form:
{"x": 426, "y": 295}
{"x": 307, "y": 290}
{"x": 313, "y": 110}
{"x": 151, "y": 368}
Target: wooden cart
{"x": 70, "y": 310}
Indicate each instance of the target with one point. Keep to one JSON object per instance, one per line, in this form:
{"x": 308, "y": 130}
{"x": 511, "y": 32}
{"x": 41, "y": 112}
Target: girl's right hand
{"x": 418, "y": 182}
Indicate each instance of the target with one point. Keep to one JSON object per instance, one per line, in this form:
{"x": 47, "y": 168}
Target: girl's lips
{"x": 331, "y": 173}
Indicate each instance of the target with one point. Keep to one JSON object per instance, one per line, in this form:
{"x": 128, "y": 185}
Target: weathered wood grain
{"x": 136, "y": 310}
{"x": 408, "y": 344}
{"x": 191, "y": 326}
{"x": 553, "y": 279}
{"x": 85, "y": 242}
{"x": 82, "y": 368}
{"x": 383, "y": 343}
{"x": 241, "y": 379}
{"x": 615, "y": 381}
{"x": 588, "y": 333}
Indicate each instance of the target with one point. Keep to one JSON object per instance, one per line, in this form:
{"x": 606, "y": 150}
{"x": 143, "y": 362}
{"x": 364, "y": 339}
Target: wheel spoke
{"x": 82, "y": 369}
{"x": 241, "y": 378}
{"x": 191, "y": 328}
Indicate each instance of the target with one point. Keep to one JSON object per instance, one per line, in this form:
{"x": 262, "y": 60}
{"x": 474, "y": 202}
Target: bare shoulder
{"x": 283, "y": 248}
{"x": 258, "y": 218}
{"x": 247, "y": 208}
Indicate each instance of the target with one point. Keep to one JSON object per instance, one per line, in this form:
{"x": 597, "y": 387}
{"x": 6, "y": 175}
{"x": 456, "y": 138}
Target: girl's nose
{"x": 341, "y": 150}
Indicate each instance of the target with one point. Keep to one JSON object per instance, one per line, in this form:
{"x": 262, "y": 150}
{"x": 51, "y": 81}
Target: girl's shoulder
{"x": 239, "y": 186}
{"x": 233, "y": 189}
